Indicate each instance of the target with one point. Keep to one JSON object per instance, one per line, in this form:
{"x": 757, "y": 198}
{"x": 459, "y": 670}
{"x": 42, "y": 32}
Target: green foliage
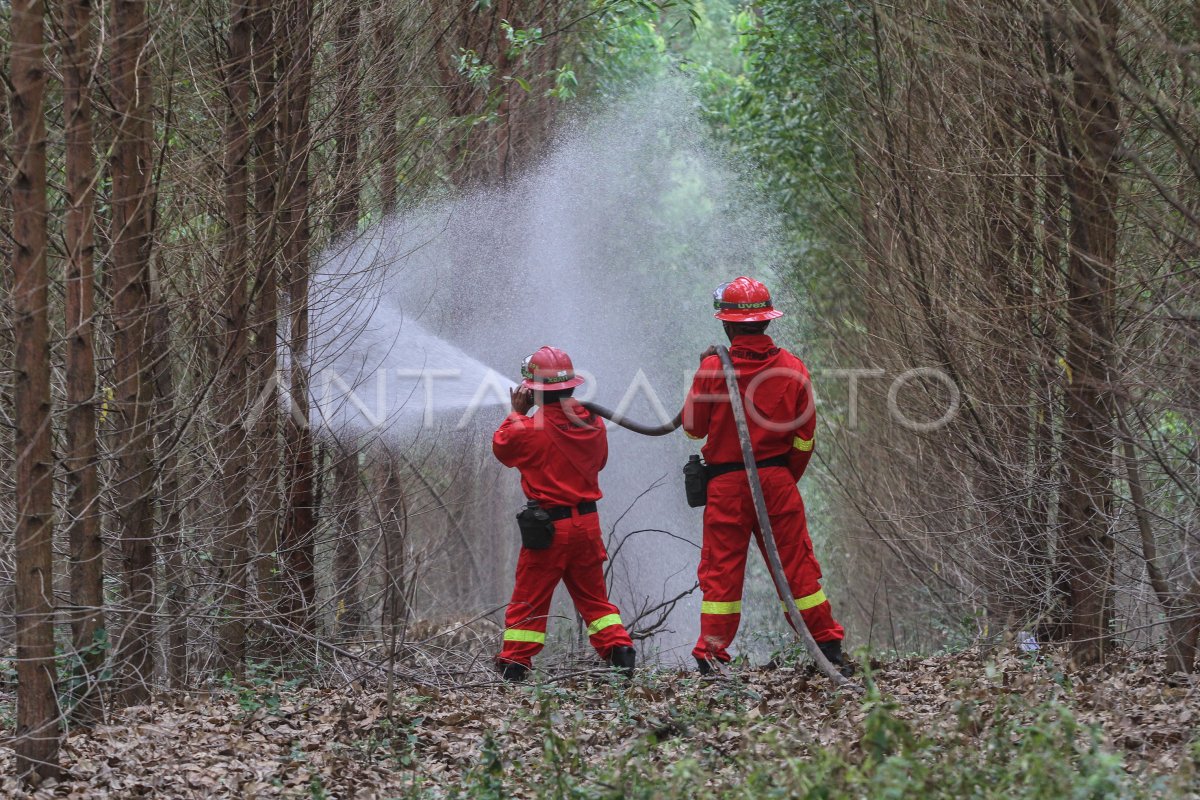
{"x": 397, "y": 739}
{"x": 71, "y": 678}
{"x": 565, "y": 83}
{"x": 781, "y": 108}
{"x": 262, "y": 689}
{"x": 477, "y": 72}
{"x": 627, "y": 43}
{"x": 520, "y": 40}
{"x": 710, "y": 751}
{"x": 769, "y": 79}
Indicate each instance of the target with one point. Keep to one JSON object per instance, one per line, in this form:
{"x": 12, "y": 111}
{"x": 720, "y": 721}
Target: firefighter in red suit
{"x": 781, "y": 417}
{"x": 560, "y": 451}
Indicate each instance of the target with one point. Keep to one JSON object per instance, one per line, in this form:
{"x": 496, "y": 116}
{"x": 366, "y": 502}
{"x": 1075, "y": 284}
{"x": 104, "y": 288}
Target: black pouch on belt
{"x": 537, "y": 529}
{"x": 695, "y": 482}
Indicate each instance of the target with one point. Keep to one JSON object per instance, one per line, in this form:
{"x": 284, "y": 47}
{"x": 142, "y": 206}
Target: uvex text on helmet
{"x": 744, "y": 300}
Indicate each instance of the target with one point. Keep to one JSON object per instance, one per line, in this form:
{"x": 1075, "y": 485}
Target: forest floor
{"x": 968, "y": 724}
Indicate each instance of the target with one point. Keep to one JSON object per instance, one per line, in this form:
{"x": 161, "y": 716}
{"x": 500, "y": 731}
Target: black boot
{"x": 513, "y": 673}
{"x": 706, "y": 667}
{"x": 832, "y": 650}
{"x": 623, "y": 658}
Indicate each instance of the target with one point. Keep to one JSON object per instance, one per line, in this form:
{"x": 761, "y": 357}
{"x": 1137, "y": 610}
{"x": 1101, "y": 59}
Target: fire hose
{"x": 774, "y": 563}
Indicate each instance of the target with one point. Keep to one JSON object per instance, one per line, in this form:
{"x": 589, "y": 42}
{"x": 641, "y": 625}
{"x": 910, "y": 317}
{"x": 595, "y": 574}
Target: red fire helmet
{"x": 549, "y": 369}
{"x": 743, "y": 300}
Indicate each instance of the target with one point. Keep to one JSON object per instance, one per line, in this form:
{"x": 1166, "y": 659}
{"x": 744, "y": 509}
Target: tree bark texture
{"x": 346, "y": 560}
{"x": 266, "y": 177}
{"x": 346, "y": 179}
{"x": 37, "y": 734}
{"x": 233, "y": 548}
{"x": 86, "y": 567}
{"x": 1091, "y": 277}
{"x": 131, "y": 171}
{"x": 297, "y": 541}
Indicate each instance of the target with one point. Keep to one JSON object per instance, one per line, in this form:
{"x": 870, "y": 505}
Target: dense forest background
{"x": 989, "y": 240}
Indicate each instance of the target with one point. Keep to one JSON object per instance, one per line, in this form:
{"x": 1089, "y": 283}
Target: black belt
{"x": 713, "y": 470}
{"x": 562, "y": 512}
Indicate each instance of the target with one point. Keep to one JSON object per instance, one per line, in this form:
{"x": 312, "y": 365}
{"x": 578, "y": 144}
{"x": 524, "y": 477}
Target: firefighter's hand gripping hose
{"x": 760, "y": 506}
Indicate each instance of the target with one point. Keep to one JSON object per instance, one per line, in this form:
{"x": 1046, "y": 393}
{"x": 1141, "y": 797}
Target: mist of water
{"x": 608, "y": 248}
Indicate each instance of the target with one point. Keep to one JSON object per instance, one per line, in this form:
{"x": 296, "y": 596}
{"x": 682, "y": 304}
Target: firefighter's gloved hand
{"x": 711, "y": 351}
{"x": 521, "y": 399}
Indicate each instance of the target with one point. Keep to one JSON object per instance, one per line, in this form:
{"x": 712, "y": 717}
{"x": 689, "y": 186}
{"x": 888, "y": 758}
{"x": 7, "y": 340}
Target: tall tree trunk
{"x": 7, "y": 163}
{"x": 393, "y": 531}
{"x": 346, "y": 561}
{"x": 1056, "y": 625}
{"x": 997, "y": 484}
{"x": 80, "y": 462}
{"x": 344, "y": 220}
{"x": 388, "y": 98}
{"x": 266, "y": 327}
{"x": 37, "y": 732}
{"x": 1088, "y": 426}
{"x": 1183, "y": 630}
{"x": 233, "y": 552}
{"x": 1182, "y": 611}
{"x": 346, "y": 180}
{"x": 297, "y": 544}
{"x": 131, "y": 173}
{"x": 175, "y": 574}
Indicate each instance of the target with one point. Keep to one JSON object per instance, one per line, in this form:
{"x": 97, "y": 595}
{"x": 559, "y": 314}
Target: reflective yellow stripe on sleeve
{"x": 811, "y": 601}
{"x": 518, "y": 635}
{"x": 803, "y": 445}
{"x": 716, "y": 607}
{"x": 694, "y": 438}
{"x": 607, "y": 621}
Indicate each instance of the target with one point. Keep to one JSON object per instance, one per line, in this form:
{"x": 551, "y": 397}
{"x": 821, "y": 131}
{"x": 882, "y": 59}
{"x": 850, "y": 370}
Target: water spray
{"x": 774, "y": 563}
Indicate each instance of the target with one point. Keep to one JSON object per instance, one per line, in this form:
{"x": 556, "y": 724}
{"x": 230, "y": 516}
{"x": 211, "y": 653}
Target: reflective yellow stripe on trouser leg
{"x": 607, "y": 621}
{"x": 518, "y": 635}
{"x": 811, "y": 600}
{"x": 719, "y": 607}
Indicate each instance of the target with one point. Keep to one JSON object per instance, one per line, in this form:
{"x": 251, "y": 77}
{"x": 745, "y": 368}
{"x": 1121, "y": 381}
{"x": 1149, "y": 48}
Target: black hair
{"x": 550, "y": 398}
{"x": 733, "y": 329}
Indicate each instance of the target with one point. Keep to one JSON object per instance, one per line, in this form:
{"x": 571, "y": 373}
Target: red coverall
{"x": 560, "y": 465}
{"x": 782, "y": 420}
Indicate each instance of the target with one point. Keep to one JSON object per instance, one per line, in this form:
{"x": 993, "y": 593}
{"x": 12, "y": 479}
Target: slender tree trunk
{"x": 997, "y": 487}
{"x": 297, "y": 544}
{"x": 1056, "y": 626}
{"x": 233, "y": 552}
{"x": 344, "y": 220}
{"x": 346, "y": 180}
{"x": 393, "y": 530}
{"x": 80, "y": 462}
{"x": 346, "y": 561}
{"x": 37, "y": 733}
{"x": 7, "y": 163}
{"x": 170, "y": 535}
{"x": 1091, "y": 278}
{"x": 1182, "y": 611}
{"x": 388, "y": 98}
{"x": 1047, "y": 405}
{"x": 266, "y": 327}
{"x": 1183, "y": 630}
{"x": 131, "y": 173}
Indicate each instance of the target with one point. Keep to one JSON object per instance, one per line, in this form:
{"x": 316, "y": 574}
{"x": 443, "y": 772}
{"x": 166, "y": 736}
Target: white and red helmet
{"x": 548, "y": 370}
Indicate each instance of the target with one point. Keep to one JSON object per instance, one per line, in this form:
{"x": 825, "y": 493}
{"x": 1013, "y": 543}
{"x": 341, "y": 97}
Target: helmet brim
{"x": 732, "y": 315}
{"x": 538, "y": 386}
